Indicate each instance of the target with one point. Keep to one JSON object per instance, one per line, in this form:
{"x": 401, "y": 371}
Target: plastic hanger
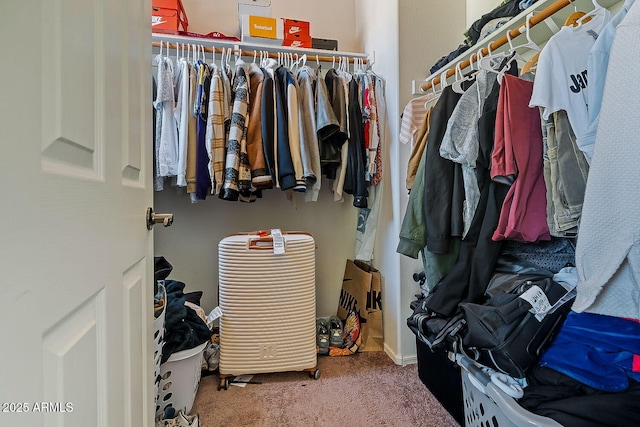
{"x": 491, "y": 60}
{"x": 443, "y": 80}
{"x": 372, "y": 61}
{"x": 526, "y": 29}
{"x": 460, "y": 78}
{"x": 597, "y": 9}
{"x": 504, "y": 68}
{"x": 572, "y": 20}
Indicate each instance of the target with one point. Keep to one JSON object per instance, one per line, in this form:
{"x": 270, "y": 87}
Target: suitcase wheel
{"x": 315, "y": 374}
{"x": 224, "y": 383}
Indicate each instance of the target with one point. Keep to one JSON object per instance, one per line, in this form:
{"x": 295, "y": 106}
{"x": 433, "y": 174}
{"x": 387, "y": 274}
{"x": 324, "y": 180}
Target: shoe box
{"x": 296, "y": 33}
{"x": 168, "y": 16}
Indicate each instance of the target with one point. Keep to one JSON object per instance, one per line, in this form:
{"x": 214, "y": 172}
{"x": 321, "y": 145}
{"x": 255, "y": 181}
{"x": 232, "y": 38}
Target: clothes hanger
{"x": 572, "y": 20}
{"x": 530, "y": 65}
{"x": 491, "y": 60}
{"x": 239, "y": 60}
{"x": 596, "y": 11}
{"x": 443, "y": 80}
{"x": 504, "y": 69}
{"x": 526, "y": 29}
{"x": 460, "y": 78}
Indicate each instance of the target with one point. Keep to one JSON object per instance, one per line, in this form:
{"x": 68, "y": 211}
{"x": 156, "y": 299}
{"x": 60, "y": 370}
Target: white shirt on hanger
{"x": 181, "y": 114}
{"x": 561, "y": 75}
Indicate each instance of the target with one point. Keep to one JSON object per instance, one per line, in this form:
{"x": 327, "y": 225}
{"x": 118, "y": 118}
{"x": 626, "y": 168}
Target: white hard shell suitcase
{"x": 267, "y": 295}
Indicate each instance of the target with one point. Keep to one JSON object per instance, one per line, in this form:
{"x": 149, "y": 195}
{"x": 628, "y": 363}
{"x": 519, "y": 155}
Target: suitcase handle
{"x": 261, "y": 243}
{"x": 264, "y": 240}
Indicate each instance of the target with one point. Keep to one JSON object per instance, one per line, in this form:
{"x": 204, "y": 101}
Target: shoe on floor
{"x": 335, "y": 331}
{"x": 183, "y": 420}
{"x": 322, "y": 336}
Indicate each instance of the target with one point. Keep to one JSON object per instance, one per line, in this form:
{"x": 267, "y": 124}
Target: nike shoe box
{"x": 168, "y": 16}
{"x": 296, "y": 33}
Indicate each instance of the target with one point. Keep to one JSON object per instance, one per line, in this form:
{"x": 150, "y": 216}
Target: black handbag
{"x": 511, "y": 329}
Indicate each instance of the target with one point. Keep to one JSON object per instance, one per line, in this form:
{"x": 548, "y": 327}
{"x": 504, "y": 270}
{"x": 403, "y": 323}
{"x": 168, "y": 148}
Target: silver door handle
{"x": 154, "y": 218}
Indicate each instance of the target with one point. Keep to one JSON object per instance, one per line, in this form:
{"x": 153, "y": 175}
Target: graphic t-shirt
{"x": 561, "y": 78}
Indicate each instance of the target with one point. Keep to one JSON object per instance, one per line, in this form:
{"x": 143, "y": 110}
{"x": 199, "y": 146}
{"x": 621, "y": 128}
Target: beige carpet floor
{"x": 364, "y": 390}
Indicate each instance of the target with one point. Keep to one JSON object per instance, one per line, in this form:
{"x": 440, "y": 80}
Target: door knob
{"x": 155, "y": 218}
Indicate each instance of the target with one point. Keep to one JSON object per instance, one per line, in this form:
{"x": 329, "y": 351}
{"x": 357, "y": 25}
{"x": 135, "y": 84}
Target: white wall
{"x": 428, "y": 30}
{"x": 408, "y": 37}
{"x": 377, "y": 23}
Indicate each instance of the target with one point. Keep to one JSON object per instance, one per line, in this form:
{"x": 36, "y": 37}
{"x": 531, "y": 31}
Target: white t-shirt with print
{"x": 561, "y": 76}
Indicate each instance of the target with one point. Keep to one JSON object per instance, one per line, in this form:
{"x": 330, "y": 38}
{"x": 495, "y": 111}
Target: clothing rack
{"x": 250, "y": 50}
{"x": 530, "y": 21}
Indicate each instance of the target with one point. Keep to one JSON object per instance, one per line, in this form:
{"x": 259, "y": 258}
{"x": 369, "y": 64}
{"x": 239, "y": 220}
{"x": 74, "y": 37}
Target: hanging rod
{"x": 248, "y": 49}
{"x": 534, "y": 20}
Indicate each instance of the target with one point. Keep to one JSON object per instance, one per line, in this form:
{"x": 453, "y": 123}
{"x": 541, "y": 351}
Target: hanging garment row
{"x": 501, "y": 174}
{"x": 234, "y": 131}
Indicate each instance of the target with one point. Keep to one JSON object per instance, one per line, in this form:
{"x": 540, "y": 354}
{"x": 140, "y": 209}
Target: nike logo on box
{"x": 294, "y": 30}
{"x": 157, "y": 20}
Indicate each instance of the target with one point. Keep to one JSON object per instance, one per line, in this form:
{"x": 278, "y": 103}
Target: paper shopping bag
{"x": 361, "y": 291}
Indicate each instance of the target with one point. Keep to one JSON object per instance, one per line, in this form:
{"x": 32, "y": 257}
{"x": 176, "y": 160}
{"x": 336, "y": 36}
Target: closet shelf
{"x": 551, "y": 12}
{"x": 248, "y": 49}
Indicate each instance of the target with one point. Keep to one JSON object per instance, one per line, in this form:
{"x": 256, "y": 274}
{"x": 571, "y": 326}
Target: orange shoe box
{"x": 297, "y": 40}
{"x": 168, "y": 16}
{"x": 261, "y": 29}
{"x": 296, "y": 33}
{"x": 294, "y": 27}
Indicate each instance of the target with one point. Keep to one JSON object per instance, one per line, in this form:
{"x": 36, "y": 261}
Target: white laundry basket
{"x": 180, "y": 377}
{"x": 485, "y": 405}
{"x": 158, "y": 340}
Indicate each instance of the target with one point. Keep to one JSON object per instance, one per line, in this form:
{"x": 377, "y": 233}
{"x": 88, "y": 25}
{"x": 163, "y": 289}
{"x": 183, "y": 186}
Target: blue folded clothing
{"x": 596, "y": 350}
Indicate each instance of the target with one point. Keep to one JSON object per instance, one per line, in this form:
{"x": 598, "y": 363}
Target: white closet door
{"x": 76, "y": 258}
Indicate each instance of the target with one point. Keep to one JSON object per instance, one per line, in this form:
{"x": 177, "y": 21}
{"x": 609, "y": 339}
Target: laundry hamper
{"x": 267, "y": 295}
{"x": 486, "y": 405}
{"x": 158, "y": 340}
{"x": 180, "y": 378}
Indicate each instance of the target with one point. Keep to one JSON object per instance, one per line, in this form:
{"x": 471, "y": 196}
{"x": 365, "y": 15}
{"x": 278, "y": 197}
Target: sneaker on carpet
{"x": 183, "y": 420}
{"x": 322, "y": 336}
{"x": 335, "y": 331}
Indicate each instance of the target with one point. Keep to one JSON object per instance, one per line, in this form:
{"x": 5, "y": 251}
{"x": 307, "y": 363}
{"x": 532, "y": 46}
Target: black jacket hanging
{"x": 286, "y": 172}
{"x": 355, "y": 183}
